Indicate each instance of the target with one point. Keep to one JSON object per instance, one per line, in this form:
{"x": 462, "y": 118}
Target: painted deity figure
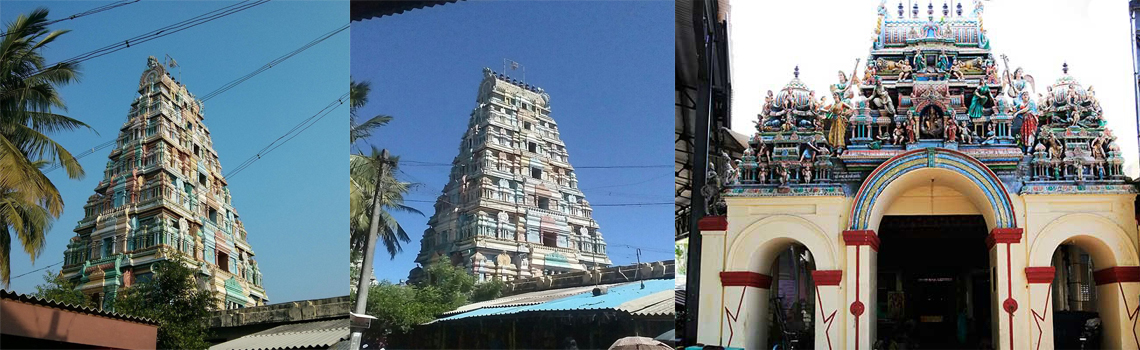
{"x": 943, "y": 62}
{"x": 882, "y": 100}
{"x": 950, "y": 130}
{"x": 968, "y": 135}
{"x": 897, "y": 137}
{"x": 839, "y": 112}
{"x": 919, "y": 62}
{"x": 806, "y": 171}
{"x": 1026, "y": 108}
{"x": 905, "y": 71}
{"x": 956, "y": 70}
{"x": 768, "y": 115}
{"x": 982, "y": 95}
{"x": 991, "y": 72}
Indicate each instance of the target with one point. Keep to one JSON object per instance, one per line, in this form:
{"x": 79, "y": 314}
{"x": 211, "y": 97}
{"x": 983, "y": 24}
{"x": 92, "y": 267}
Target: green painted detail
{"x": 234, "y": 292}
{"x": 556, "y": 259}
{"x": 930, "y": 159}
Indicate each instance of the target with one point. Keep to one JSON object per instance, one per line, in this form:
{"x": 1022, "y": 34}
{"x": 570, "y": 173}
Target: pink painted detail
{"x": 1038, "y": 318}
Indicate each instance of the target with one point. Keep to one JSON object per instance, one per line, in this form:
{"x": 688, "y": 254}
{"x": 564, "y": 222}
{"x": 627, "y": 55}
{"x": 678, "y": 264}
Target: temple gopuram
{"x": 512, "y": 208}
{"x": 940, "y": 197}
{"x": 163, "y": 197}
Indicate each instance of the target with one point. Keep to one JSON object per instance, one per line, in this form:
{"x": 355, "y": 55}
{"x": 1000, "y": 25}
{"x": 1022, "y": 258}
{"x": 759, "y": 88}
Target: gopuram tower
{"x": 512, "y": 208}
{"x": 163, "y": 196}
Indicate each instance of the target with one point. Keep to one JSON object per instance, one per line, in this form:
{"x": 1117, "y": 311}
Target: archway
{"x": 748, "y": 281}
{"x": 1083, "y": 266}
{"x": 890, "y": 191}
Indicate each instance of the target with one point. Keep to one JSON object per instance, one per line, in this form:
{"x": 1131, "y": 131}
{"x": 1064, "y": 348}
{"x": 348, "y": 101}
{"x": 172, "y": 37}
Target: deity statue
{"x": 1019, "y": 81}
{"x": 905, "y": 71}
{"x": 932, "y": 124}
{"x": 1097, "y": 146}
{"x": 733, "y": 173}
{"x": 991, "y": 135}
{"x": 956, "y": 70}
{"x": 967, "y": 133}
{"x": 919, "y": 62}
{"x": 882, "y": 100}
{"x": 943, "y": 62}
{"x": 950, "y": 130}
{"x": 898, "y": 136}
{"x": 841, "y": 110}
{"x": 982, "y": 95}
{"x": 991, "y": 72}
{"x": 912, "y": 129}
{"x": 1026, "y": 108}
{"x": 782, "y": 173}
{"x": 768, "y": 117}
{"x": 806, "y": 171}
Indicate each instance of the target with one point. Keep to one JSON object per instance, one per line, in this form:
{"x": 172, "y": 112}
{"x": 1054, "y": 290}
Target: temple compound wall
{"x": 932, "y": 128}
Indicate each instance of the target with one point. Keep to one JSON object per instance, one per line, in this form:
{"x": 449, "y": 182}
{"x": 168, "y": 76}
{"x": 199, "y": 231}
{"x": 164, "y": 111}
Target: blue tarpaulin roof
{"x": 617, "y": 295}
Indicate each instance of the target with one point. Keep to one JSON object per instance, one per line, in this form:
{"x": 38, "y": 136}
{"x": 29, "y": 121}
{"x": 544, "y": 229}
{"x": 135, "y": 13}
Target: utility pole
{"x": 359, "y": 314}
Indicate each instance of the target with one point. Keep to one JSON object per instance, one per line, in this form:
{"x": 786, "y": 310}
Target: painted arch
{"x": 997, "y": 203}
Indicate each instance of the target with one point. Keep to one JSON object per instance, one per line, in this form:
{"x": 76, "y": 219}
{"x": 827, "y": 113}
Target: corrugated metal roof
{"x": 34, "y": 300}
{"x": 617, "y": 296}
{"x": 523, "y": 299}
{"x": 656, "y": 304}
{"x": 305, "y": 335}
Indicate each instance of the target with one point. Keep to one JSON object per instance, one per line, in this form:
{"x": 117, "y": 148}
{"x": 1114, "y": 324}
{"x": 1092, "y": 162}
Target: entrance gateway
{"x": 935, "y": 197}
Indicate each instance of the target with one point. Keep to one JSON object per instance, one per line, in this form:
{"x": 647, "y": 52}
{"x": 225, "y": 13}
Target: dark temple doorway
{"x": 933, "y": 282}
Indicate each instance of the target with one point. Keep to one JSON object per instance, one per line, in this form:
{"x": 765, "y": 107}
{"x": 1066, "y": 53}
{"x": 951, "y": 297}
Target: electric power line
{"x": 39, "y": 269}
{"x": 289, "y": 135}
{"x": 271, "y": 64}
{"x": 422, "y": 163}
{"x": 88, "y": 12}
{"x": 160, "y": 32}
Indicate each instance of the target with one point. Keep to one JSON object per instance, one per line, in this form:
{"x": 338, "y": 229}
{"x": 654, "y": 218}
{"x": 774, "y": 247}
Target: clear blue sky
{"x": 608, "y": 67}
{"x": 293, "y": 201}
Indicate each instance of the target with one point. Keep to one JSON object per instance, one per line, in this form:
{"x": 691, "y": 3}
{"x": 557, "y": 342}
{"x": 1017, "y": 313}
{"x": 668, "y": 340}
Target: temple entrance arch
{"x": 974, "y": 180}
{"x": 748, "y": 280}
{"x": 1076, "y": 255}
{"x": 921, "y": 185}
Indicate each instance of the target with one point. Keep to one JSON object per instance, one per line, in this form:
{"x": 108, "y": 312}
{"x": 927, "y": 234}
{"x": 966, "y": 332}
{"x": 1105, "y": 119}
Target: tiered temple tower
{"x": 512, "y": 208}
{"x": 163, "y": 195}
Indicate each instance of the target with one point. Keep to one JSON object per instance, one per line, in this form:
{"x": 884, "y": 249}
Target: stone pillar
{"x": 711, "y": 306}
{"x": 1011, "y": 320}
{"x": 829, "y": 309}
{"x": 1118, "y": 303}
{"x": 1040, "y": 306}
{"x": 862, "y": 264}
{"x": 745, "y": 321}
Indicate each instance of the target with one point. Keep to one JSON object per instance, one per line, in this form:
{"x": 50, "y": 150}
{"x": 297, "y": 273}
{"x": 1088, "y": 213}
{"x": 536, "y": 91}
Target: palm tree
{"x": 363, "y": 178}
{"x": 29, "y": 202}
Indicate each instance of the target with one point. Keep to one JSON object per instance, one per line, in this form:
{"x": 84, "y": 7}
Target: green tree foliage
{"x": 29, "y": 106}
{"x": 400, "y": 307}
{"x": 363, "y": 178}
{"x": 488, "y": 290}
{"x": 171, "y": 298}
{"x": 60, "y": 289}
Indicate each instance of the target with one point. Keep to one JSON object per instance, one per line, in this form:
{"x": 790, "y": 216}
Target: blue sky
{"x": 608, "y": 67}
{"x": 292, "y": 201}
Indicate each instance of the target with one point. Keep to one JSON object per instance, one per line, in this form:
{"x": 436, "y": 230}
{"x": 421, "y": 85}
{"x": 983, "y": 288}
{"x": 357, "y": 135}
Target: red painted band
{"x": 713, "y": 223}
{"x": 827, "y": 277}
{"x": 1004, "y": 235}
{"x": 861, "y": 237}
{"x": 1040, "y": 274}
{"x": 1117, "y": 274}
{"x": 745, "y": 279}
